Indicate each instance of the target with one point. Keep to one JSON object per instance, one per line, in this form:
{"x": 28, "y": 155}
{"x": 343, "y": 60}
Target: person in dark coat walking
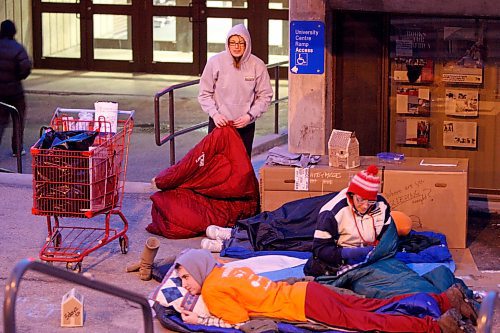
{"x": 15, "y": 66}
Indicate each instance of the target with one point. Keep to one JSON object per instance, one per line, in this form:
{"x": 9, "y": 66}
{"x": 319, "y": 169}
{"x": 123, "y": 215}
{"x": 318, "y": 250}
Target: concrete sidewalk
{"x": 23, "y": 234}
{"x": 38, "y": 304}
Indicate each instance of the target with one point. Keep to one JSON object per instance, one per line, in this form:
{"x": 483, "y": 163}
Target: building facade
{"x": 155, "y": 36}
{"x": 419, "y": 78}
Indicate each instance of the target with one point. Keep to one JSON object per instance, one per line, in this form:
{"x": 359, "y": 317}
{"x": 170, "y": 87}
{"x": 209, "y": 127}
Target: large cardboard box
{"x": 435, "y": 196}
{"x": 281, "y": 184}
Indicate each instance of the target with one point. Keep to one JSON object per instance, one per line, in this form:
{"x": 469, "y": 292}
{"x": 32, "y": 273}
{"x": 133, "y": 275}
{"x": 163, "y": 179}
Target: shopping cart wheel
{"x": 76, "y": 267}
{"x": 124, "y": 244}
{"x": 49, "y": 262}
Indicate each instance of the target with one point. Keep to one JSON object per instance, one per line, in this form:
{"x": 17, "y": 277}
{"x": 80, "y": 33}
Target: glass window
{"x": 171, "y": 2}
{"x": 112, "y": 2}
{"x": 278, "y": 4}
{"x": 112, "y": 37}
{"x": 443, "y": 90}
{"x": 62, "y": 1}
{"x": 56, "y": 44}
{"x": 227, "y": 4}
{"x": 217, "y": 29}
{"x": 172, "y": 39}
{"x": 278, "y": 41}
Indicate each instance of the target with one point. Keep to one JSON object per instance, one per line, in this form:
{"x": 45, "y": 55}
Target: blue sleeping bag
{"x": 382, "y": 275}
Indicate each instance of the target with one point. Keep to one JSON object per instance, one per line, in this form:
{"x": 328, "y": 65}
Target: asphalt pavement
{"x": 47, "y": 90}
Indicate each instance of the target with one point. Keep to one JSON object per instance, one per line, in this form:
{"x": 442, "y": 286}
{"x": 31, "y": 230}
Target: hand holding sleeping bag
{"x": 355, "y": 255}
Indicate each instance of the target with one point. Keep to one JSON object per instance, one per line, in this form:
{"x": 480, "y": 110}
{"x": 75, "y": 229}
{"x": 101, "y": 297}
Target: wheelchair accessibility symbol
{"x": 301, "y": 59}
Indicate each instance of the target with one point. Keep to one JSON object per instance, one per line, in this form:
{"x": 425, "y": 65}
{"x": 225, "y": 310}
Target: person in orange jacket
{"x": 237, "y": 294}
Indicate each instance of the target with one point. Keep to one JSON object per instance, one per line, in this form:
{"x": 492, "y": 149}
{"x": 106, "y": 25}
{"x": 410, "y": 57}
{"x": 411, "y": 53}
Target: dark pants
{"x": 19, "y": 103}
{"x": 352, "y": 312}
{"x": 246, "y": 133}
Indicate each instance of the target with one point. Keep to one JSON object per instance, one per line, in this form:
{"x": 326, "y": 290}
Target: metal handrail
{"x": 171, "y": 111}
{"x": 12, "y": 288}
{"x": 16, "y": 127}
{"x": 485, "y": 317}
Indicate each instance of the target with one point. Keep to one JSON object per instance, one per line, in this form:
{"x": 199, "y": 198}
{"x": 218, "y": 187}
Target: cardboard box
{"x": 320, "y": 178}
{"x": 343, "y": 150}
{"x": 72, "y": 309}
{"x": 435, "y": 196}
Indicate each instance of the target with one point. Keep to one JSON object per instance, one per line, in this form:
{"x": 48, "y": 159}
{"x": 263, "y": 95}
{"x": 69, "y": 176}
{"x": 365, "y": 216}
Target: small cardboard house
{"x": 72, "y": 309}
{"x": 343, "y": 150}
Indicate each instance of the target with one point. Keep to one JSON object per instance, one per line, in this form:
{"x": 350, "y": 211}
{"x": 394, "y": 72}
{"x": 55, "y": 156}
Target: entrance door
{"x": 359, "y": 46}
{"x": 86, "y": 34}
{"x": 156, "y": 36}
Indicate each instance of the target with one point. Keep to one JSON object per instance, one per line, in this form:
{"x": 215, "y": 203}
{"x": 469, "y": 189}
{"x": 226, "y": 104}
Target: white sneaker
{"x": 216, "y": 232}
{"x": 213, "y": 245}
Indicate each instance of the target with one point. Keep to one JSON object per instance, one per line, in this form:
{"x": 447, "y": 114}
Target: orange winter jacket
{"x": 236, "y": 294}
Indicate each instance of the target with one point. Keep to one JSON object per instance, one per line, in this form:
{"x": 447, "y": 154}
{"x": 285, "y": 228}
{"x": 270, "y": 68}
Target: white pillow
{"x": 171, "y": 293}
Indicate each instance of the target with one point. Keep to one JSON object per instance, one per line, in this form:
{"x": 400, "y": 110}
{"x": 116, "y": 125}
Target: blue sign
{"x": 307, "y": 47}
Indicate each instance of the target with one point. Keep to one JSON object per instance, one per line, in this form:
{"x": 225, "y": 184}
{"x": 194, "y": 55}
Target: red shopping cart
{"x": 82, "y": 184}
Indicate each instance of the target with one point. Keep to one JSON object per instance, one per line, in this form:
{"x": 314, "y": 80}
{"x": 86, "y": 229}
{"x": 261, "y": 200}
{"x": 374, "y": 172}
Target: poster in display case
{"x": 413, "y": 100}
{"x": 461, "y": 102}
{"x": 460, "y": 134}
{"x": 412, "y": 131}
{"x": 413, "y": 70}
{"x": 465, "y": 56}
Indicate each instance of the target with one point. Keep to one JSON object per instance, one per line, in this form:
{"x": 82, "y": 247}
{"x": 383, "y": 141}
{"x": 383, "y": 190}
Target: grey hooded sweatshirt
{"x": 231, "y": 91}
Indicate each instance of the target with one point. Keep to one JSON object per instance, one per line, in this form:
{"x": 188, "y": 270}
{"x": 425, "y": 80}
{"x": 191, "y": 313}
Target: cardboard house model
{"x": 72, "y": 309}
{"x": 343, "y": 150}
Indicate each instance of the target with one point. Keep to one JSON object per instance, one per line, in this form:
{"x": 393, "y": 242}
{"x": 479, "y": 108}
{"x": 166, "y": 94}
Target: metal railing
{"x": 16, "y": 127}
{"x": 12, "y": 288}
{"x": 171, "y": 111}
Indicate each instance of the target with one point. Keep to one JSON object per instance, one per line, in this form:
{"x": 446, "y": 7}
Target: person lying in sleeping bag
{"x": 235, "y": 295}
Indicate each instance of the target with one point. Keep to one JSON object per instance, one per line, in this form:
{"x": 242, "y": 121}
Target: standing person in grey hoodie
{"x": 235, "y": 87}
{"x": 15, "y": 66}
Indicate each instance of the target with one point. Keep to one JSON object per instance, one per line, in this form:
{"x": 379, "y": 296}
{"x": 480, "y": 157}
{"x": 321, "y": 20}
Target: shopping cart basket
{"x": 82, "y": 184}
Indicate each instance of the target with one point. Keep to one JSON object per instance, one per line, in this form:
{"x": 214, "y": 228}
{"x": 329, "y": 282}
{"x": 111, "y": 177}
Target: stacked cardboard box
{"x": 433, "y": 192}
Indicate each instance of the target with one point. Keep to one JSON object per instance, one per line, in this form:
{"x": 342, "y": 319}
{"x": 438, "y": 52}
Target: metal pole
{"x": 277, "y": 93}
{"x": 12, "y": 288}
{"x": 171, "y": 112}
{"x": 16, "y": 127}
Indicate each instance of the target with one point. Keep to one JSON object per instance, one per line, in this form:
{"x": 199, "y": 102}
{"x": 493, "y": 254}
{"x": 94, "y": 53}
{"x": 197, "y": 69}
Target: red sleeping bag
{"x": 213, "y": 184}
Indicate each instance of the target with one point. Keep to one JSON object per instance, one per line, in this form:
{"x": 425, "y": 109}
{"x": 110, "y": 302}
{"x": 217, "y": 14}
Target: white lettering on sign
{"x": 300, "y": 50}
{"x": 303, "y": 38}
{"x": 301, "y": 44}
{"x": 307, "y": 32}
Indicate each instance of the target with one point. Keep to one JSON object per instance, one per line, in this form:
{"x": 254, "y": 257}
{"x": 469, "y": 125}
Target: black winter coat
{"x": 15, "y": 66}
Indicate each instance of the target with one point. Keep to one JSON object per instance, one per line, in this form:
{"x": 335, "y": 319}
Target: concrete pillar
{"x": 307, "y": 92}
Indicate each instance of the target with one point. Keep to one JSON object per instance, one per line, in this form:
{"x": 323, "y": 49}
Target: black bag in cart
{"x": 66, "y": 140}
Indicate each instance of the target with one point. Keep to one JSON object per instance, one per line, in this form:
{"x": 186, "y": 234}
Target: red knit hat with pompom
{"x": 366, "y": 183}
